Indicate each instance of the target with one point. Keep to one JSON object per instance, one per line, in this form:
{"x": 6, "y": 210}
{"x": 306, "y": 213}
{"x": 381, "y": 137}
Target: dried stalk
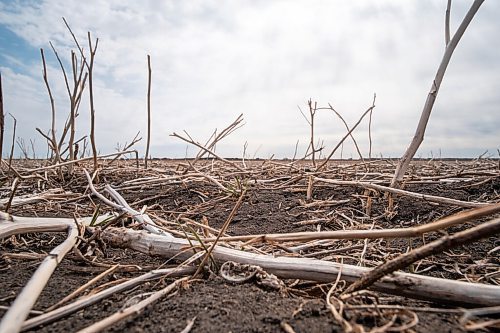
{"x": 124, "y": 207}
{"x": 483, "y": 230}
{"x": 13, "y": 320}
{"x": 417, "y": 231}
{"x": 370, "y": 134}
{"x": 55, "y": 149}
{"x": 14, "y": 225}
{"x": 347, "y": 128}
{"x": 31, "y": 171}
{"x": 221, "y": 232}
{"x": 67, "y": 88}
{"x": 78, "y": 88}
{"x": 310, "y": 121}
{"x": 215, "y": 138}
{"x": 74, "y": 95}
{"x": 194, "y": 143}
{"x": 322, "y": 165}
{"x": 127, "y": 147}
{"x": 91, "y": 96}
{"x": 11, "y": 155}
{"x": 46, "y": 137}
{"x": 13, "y": 189}
{"x": 425, "y": 197}
{"x": 418, "y": 137}
{"x": 210, "y": 178}
{"x": 149, "y": 114}
{"x": 89, "y": 300}
{"x": 23, "y": 148}
{"x": 447, "y": 24}
{"x": 404, "y": 284}
{"x": 243, "y": 156}
{"x": 90, "y": 67}
{"x": 310, "y": 269}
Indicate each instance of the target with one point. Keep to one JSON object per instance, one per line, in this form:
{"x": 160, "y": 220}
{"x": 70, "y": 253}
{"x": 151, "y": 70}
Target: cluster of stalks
{"x": 344, "y": 243}
{"x": 341, "y": 238}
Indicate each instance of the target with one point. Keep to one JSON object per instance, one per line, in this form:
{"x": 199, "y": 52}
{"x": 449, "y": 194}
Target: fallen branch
{"x": 403, "y": 284}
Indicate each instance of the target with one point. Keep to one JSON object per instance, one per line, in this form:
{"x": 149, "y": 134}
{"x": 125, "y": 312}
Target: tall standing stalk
{"x": 91, "y": 95}
{"x": 447, "y": 24}
{"x": 74, "y": 95}
{"x": 55, "y": 148}
{"x": 14, "y": 125}
{"x": 149, "y": 114}
{"x": 312, "y": 113}
{"x": 310, "y": 121}
{"x": 418, "y": 137}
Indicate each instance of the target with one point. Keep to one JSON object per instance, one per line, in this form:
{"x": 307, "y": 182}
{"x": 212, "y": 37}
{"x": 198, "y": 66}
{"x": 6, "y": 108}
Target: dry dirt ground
{"x": 277, "y": 206}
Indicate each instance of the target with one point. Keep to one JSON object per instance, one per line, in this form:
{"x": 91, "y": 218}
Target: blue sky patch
{"x": 15, "y": 52}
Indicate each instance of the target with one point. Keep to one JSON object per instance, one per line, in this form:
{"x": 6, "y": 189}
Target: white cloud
{"x": 213, "y": 60}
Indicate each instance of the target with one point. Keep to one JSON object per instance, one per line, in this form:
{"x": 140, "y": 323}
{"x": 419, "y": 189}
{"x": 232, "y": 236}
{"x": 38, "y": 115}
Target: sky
{"x": 213, "y": 60}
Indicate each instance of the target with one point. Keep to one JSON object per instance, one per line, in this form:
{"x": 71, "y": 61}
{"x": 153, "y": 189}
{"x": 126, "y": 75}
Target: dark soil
{"x": 220, "y": 306}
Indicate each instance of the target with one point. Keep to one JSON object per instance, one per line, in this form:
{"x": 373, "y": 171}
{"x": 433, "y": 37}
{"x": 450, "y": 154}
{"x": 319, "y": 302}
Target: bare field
{"x": 255, "y": 246}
